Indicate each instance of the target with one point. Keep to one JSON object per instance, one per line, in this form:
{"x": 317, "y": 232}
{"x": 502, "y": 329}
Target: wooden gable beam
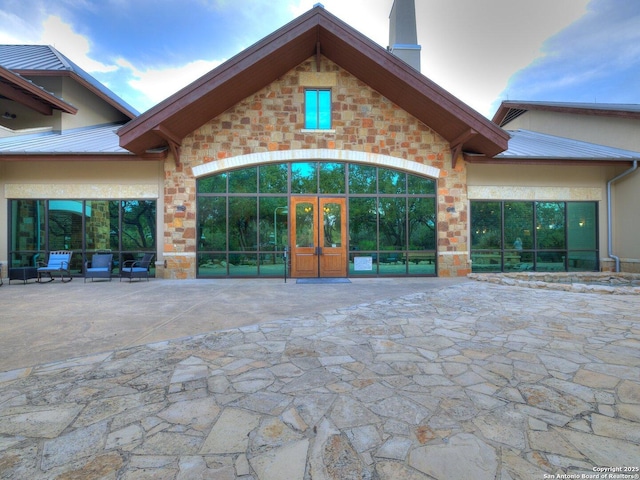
{"x": 457, "y": 143}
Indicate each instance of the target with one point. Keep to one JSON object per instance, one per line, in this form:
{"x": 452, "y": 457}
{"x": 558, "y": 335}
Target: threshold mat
{"x": 322, "y": 280}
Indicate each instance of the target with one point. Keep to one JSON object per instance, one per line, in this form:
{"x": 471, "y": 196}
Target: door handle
{"x": 318, "y": 250}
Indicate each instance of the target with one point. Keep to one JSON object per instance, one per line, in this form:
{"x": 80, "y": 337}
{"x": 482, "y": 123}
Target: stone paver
{"x": 473, "y": 380}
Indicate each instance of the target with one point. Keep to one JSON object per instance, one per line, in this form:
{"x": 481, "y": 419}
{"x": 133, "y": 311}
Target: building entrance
{"x": 318, "y": 237}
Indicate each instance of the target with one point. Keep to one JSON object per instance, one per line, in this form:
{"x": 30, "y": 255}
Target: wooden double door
{"x": 318, "y": 237}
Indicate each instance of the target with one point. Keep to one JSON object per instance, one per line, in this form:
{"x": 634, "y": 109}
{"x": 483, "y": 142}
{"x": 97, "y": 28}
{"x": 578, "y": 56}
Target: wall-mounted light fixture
{"x": 9, "y": 116}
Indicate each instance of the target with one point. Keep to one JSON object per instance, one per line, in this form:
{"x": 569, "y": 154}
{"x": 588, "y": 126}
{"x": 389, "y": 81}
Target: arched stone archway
{"x": 315, "y": 154}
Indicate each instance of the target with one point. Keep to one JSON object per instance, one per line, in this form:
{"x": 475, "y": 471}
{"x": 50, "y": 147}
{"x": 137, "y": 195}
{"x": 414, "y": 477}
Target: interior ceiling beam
{"x": 458, "y": 142}
{"x": 24, "y": 99}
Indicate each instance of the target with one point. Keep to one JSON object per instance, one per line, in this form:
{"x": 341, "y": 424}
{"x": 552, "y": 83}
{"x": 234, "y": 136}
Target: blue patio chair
{"x": 137, "y": 268}
{"x": 99, "y": 266}
{"x": 59, "y": 263}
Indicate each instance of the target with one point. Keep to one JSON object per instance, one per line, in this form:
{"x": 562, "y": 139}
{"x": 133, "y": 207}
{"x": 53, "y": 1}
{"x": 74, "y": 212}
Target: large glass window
{"x": 243, "y": 231}
{"x": 541, "y": 236}
{"x": 317, "y": 109}
{"x": 126, "y": 228}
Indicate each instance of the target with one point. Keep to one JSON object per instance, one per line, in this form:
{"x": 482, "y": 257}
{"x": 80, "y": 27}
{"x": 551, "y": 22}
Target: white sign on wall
{"x": 363, "y": 263}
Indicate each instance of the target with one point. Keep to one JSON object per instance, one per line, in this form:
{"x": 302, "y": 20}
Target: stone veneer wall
{"x": 273, "y": 119}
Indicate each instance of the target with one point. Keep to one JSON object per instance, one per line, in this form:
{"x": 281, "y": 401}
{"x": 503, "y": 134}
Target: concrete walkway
{"x": 377, "y": 379}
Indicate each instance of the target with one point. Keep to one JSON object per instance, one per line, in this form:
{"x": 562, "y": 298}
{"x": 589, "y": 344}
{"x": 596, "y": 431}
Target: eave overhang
{"x": 592, "y": 162}
{"x": 506, "y": 109}
{"x": 84, "y": 83}
{"x": 14, "y": 87}
{"x": 79, "y": 157}
{"x": 315, "y": 33}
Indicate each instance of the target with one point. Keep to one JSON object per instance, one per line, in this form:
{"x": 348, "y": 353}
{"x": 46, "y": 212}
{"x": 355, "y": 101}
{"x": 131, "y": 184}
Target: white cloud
{"x": 76, "y": 47}
{"x": 158, "y": 84}
{"x": 15, "y": 30}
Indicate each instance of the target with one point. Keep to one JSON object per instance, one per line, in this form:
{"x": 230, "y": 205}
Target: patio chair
{"x": 59, "y": 263}
{"x": 99, "y": 266}
{"x": 136, "y": 268}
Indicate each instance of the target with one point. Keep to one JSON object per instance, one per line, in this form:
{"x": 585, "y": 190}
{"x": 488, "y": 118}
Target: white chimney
{"x": 403, "y": 36}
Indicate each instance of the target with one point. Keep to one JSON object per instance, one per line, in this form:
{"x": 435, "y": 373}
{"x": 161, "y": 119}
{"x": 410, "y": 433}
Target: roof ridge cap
{"x": 64, "y": 60}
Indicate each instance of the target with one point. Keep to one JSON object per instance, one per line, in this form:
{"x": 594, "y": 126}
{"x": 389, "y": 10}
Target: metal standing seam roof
{"x": 101, "y": 139}
{"x": 34, "y": 58}
{"x": 525, "y": 144}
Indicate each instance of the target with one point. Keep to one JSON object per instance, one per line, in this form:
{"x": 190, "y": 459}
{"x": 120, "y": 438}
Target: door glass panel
{"x": 332, "y": 224}
{"x": 304, "y": 224}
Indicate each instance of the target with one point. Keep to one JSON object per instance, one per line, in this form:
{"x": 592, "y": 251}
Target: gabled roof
{"x": 526, "y": 146}
{"x": 44, "y": 60}
{"x": 509, "y": 110}
{"x": 97, "y": 140}
{"x": 316, "y": 32}
{"x": 21, "y": 90}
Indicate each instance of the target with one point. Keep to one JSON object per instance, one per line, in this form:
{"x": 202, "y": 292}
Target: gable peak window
{"x": 317, "y": 109}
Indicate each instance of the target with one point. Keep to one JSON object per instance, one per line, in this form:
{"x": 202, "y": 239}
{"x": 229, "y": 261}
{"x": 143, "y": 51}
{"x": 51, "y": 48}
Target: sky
{"x": 481, "y": 51}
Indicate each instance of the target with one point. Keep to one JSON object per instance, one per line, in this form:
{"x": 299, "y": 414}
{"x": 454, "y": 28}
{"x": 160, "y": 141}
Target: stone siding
{"x": 273, "y": 120}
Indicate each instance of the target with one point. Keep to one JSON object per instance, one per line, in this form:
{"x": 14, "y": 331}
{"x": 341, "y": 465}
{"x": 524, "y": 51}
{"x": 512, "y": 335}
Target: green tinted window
{"x": 213, "y": 184}
{"x": 362, "y": 179}
{"x": 421, "y": 185}
{"x": 486, "y": 221}
{"x": 332, "y": 177}
{"x": 391, "y": 181}
{"x": 273, "y": 178}
{"x": 304, "y": 177}
{"x": 243, "y": 181}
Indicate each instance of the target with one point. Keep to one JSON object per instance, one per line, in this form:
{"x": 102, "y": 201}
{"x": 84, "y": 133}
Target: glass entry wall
{"x": 126, "y": 228}
{"x": 244, "y": 216}
{"x": 511, "y": 236}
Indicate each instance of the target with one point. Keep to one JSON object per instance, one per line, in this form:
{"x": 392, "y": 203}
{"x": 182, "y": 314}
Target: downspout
{"x": 609, "y": 219}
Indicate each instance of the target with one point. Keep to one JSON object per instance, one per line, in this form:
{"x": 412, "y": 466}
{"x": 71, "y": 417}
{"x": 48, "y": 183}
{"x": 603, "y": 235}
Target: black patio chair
{"x": 99, "y": 266}
{"x": 137, "y": 268}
